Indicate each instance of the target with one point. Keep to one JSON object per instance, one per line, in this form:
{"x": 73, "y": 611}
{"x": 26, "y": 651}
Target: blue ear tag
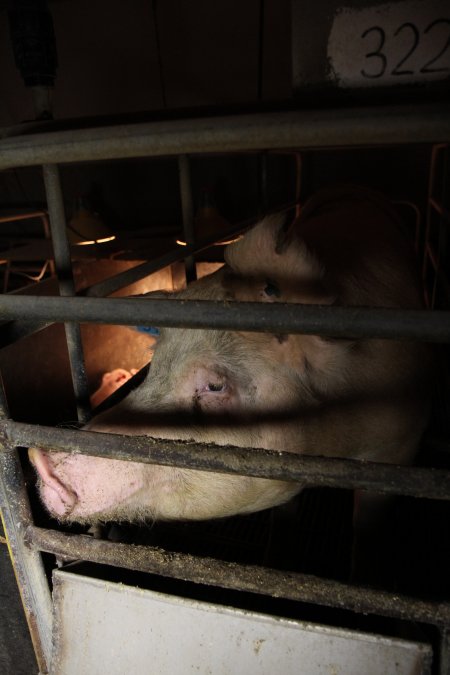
{"x": 147, "y": 329}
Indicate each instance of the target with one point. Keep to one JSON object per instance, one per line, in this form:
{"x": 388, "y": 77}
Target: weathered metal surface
{"x": 444, "y": 660}
{"x": 307, "y": 470}
{"x": 249, "y": 316}
{"x": 301, "y": 129}
{"x": 28, "y": 567}
{"x": 63, "y": 266}
{"x": 264, "y": 581}
{"x": 142, "y": 631}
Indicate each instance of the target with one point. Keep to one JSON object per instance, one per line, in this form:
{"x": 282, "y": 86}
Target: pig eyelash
{"x": 215, "y": 388}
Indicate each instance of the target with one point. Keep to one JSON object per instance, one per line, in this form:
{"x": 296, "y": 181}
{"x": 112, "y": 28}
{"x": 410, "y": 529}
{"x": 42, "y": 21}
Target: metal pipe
{"x": 11, "y": 331}
{"x": 444, "y": 655}
{"x": 277, "y": 318}
{"x": 309, "y": 471}
{"x": 187, "y": 208}
{"x": 250, "y": 578}
{"x": 24, "y": 216}
{"x": 124, "y": 279}
{"x": 28, "y": 567}
{"x": 299, "y": 129}
{"x": 177, "y": 254}
{"x": 63, "y": 266}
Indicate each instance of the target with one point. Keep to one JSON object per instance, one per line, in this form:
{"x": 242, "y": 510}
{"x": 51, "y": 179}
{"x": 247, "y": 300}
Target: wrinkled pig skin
{"x": 358, "y": 398}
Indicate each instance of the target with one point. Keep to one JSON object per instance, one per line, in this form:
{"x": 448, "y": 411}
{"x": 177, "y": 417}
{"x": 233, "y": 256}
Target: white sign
{"x": 391, "y": 44}
{"x": 103, "y": 627}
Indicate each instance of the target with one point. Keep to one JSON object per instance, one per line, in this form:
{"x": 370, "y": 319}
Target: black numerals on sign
{"x": 426, "y": 68}
{"x": 412, "y": 30}
{"x": 377, "y": 60}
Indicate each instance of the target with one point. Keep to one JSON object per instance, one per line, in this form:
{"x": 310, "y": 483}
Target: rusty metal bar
{"x": 250, "y": 578}
{"x": 27, "y": 563}
{"x": 63, "y": 266}
{"x": 299, "y": 129}
{"x": 244, "y": 316}
{"x": 307, "y": 470}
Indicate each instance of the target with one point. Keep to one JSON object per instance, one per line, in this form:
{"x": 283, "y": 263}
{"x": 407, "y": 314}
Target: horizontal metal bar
{"x": 309, "y": 471}
{"x": 23, "y": 216}
{"x": 249, "y": 316}
{"x": 300, "y": 129}
{"x": 124, "y": 279}
{"x": 12, "y": 331}
{"x": 250, "y": 578}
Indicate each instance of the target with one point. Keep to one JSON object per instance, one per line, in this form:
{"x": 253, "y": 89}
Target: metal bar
{"x": 299, "y": 129}
{"x": 63, "y": 266}
{"x": 444, "y": 660}
{"x": 23, "y": 216}
{"x": 188, "y": 213}
{"x": 104, "y": 288}
{"x": 250, "y": 578}
{"x": 278, "y": 318}
{"x": 124, "y": 279}
{"x": 28, "y": 567}
{"x": 307, "y": 470}
{"x": 11, "y": 331}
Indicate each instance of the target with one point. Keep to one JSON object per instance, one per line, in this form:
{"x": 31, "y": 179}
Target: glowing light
{"x": 90, "y": 242}
{"x": 224, "y": 242}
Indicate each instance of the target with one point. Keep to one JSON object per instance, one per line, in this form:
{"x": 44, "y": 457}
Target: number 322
{"x": 379, "y": 61}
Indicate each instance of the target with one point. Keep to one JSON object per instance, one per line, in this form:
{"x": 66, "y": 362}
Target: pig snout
{"x": 72, "y": 484}
{"x": 57, "y": 496}
{"x": 210, "y": 401}
{"x": 366, "y": 399}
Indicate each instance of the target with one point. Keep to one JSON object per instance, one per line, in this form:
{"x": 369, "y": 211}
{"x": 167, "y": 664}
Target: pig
{"x": 365, "y": 399}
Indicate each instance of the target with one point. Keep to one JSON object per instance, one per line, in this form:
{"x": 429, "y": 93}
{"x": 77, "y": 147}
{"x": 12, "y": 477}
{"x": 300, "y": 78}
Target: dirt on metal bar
{"x": 209, "y": 571}
{"x": 307, "y": 470}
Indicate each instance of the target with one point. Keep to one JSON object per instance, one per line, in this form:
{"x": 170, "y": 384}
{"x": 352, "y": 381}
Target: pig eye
{"x": 271, "y": 289}
{"x": 215, "y": 386}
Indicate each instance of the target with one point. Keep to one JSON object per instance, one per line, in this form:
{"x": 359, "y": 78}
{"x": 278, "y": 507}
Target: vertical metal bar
{"x": 188, "y": 212}
{"x": 444, "y": 661}
{"x": 27, "y": 562}
{"x": 262, "y": 182}
{"x": 63, "y": 267}
{"x": 298, "y": 182}
{"x": 48, "y": 236}
{"x": 261, "y": 30}
{"x": 6, "y": 276}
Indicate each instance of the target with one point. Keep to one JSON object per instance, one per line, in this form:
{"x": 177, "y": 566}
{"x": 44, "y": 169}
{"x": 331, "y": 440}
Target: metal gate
{"x": 298, "y": 130}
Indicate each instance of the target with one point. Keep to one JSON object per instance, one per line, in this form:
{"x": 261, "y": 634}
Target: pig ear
{"x": 272, "y": 249}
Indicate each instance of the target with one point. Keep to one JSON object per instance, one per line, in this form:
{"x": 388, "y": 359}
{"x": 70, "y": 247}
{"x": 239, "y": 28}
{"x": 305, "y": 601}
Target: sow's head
{"x": 359, "y": 398}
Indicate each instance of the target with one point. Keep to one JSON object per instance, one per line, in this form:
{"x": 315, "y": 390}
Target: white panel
{"x": 390, "y": 44}
{"x": 101, "y": 627}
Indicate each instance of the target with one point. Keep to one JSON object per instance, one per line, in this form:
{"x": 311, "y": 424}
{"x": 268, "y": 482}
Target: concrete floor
{"x": 16, "y": 650}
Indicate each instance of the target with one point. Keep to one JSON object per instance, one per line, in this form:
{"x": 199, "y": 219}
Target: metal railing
{"x": 305, "y": 129}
